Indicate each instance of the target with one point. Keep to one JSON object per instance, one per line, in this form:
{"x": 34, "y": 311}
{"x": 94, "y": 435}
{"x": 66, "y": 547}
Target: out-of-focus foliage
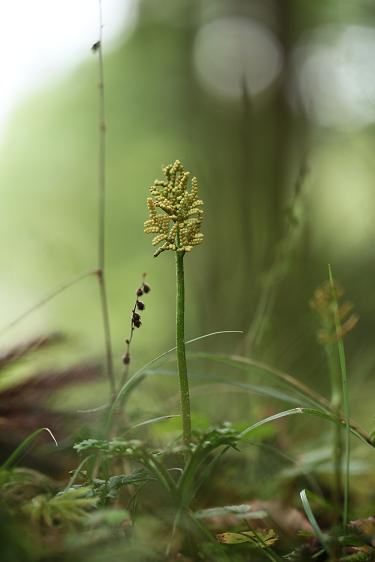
{"x": 233, "y": 89}
{"x": 271, "y": 105}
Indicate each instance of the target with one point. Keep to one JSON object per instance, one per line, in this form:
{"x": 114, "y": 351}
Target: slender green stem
{"x": 161, "y": 474}
{"x": 336, "y": 405}
{"x": 76, "y": 472}
{"x": 107, "y": 332}
{"x": 180, "y": 345}
{"x": 347, "y": 429}
{"x": 345, "y": 397}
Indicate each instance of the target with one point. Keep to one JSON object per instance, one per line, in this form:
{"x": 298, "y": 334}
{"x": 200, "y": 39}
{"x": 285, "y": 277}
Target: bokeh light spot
{"x": 232, "y": 52}
{"x": 335, "y": 76}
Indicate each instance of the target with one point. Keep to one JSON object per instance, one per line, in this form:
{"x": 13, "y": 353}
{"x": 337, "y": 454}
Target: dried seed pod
{"x": 146, "y": 288}
{"x": 126, "y": 359}
{"x": 140, "y": 305}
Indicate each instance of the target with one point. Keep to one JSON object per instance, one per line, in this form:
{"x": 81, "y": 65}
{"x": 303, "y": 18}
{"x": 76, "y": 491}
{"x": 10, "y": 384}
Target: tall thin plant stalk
{"x": 345, "y": 399}
{"x": 99, "y": 270}
{"x": 180, "y": 345}
{"x": 102, "y": 184}
{"x": 337, "y": 320}
{"x": 336, "y": 405}
{"x": 177, "y": 228}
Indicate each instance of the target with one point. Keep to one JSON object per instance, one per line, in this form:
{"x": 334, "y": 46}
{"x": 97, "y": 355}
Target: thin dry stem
{"x": 102, "y": 213}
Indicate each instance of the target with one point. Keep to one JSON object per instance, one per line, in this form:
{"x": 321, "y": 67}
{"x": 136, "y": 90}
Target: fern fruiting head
{"x": 327, "y": 298}
{"x": 175, "y": 211}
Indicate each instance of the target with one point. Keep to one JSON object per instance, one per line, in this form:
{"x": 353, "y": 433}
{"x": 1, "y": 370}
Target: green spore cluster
{"x": 178, "y": 224}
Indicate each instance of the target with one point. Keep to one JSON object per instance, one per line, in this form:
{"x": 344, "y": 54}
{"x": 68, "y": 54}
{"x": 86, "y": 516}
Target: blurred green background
{"x": 267, "y": 103}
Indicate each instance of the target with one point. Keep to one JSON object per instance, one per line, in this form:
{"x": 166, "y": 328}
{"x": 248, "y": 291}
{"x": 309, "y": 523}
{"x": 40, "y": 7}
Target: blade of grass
{"x": 269, "y": 391}
{"x": 161, "y": 474}
{"x": 308, "y": 412}
{"x": 298, "y": 466}
{"x": 355, "y": 429}
{"x": 153, "y": 420}
{"x": 261, "y": 390}
{"x": 77, "y": 471}
{"x": 316, "y": 398}
{"x": 210, "y": 334}
{"x": 25, "y": 443}
{"x": 269, "y": 419}
{"x": 313, "y": 522}
{"x": 139, "y": 375}
{"x": 345, "y": 393}
{"x": 244, "y": 363}
{"x": 207, "y": 470}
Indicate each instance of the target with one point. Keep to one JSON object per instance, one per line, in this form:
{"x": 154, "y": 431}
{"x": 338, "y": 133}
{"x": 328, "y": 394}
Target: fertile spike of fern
{"x": 325, "y": 300}
{"x": 178, "y": 224}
